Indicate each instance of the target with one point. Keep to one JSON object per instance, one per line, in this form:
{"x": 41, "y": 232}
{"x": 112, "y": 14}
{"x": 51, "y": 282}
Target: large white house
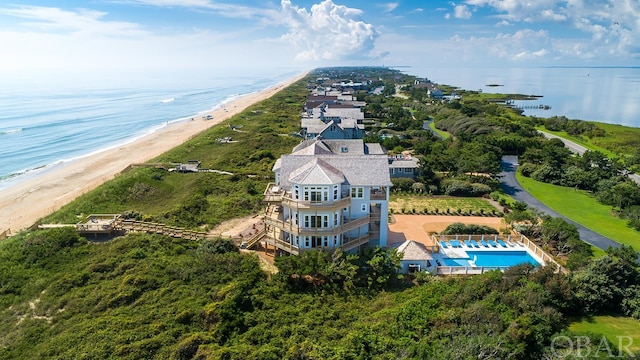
{"x": 329, "y": 194}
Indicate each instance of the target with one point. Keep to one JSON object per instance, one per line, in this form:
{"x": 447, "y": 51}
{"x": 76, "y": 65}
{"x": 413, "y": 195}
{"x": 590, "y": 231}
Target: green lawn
{"x": 580, "y": 141}
{"x": 612, "y": 327}
{"x": 580, "y": 207}
{"x": 620, "y": 141}
{"x": 443, "y": 134}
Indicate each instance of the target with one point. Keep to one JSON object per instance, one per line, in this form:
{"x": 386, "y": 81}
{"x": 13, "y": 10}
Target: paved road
{"x": 511, "y": 186}
{"x": 579, "y": 149}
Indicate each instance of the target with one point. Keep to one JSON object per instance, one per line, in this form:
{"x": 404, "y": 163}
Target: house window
{"x": 408, "y": 170}
{"x": 357, "y": 192}
{"x": 414, "y": 268}
{"x": 316, "y": 221}
{"x": 364, "y": 208}
{"x": 316, "y": 193}
{"x": 344, "y": 149}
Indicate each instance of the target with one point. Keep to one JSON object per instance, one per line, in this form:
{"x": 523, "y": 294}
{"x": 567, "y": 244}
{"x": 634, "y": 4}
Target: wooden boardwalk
{"x": 114, "y": 224}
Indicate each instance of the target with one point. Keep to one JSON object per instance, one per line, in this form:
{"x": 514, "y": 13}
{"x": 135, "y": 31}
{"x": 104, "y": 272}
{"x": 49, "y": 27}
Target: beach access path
{"x": 23, "y": 204}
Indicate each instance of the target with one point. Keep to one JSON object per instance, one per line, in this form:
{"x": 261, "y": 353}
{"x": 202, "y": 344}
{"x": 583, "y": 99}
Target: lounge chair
{"x": 502, "y": 243}
{"x": 468, "y": 243}
{"x": 443, "y": 244}
{"x": 475, "y": 244}
{"x": 455, "y": 243}
{"x": 492, "y": 243}
{"x": 484, "y": 243}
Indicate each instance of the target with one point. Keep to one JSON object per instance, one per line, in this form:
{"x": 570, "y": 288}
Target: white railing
{"x": 289, "y": 227}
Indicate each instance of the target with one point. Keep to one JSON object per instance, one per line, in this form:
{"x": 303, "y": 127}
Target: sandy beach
{"x": 23, "y": 204}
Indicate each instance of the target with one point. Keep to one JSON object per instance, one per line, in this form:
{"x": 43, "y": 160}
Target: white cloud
{"x": 503, "y": 23}
{"x": 53, "y": 38}
{"x": 82, "y": 21}
{"x": 224, "y": 9}
{"x": 522, "y": 45}
{"x": 614, "y": 25}
{"x": 328, "y": 32}
{"x": 461, "y": 12}
{"x": 389, "y": 7}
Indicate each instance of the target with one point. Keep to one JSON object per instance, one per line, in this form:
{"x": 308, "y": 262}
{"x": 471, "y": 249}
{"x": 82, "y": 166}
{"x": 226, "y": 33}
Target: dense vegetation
{"x": 149, "y": 296}
{"x": 154, "y": 297}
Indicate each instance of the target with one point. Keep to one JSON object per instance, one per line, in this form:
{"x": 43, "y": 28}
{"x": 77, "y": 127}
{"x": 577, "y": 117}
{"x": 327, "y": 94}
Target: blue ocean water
{"x": 54, "y": 118}
{"x": 603, "y": 94}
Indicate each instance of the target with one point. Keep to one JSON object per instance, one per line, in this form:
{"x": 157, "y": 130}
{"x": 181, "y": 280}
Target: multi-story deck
{"x": 328, "y": 199}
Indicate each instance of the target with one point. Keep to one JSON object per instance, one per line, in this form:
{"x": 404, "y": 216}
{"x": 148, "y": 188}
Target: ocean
{"x": 604, "y": 94}
{"x": 50, "y": 119}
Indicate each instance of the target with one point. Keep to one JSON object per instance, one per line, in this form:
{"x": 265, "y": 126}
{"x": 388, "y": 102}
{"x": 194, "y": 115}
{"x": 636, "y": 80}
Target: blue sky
{"x": 159, "y": 34}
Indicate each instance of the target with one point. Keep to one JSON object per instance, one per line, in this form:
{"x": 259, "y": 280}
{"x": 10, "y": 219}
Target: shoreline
{"x": 22, "y": 204}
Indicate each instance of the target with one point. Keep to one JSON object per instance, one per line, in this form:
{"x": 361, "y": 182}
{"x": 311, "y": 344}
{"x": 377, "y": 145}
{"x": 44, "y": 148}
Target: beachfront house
{"x": 403, "y": 166}
{"x": 313, "y": 128}
{"x": 328, "y": 194}
{"x": 332, "y": 122}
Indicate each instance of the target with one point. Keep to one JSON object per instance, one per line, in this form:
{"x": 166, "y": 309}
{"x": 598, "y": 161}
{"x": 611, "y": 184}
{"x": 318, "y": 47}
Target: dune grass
{"x": 617, "y": 329}
{"x": 582, "y": 208}
{"x": 440, "y": 204}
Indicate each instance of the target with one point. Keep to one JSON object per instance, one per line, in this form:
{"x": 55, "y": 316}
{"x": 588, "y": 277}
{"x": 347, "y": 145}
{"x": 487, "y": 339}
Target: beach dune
{"x": 24, "y": 203}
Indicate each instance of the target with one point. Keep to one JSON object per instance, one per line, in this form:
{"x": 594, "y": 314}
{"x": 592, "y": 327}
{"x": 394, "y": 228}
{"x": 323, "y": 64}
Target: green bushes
{"x": 454, "y": 187}
{"x": 471, "y": 229}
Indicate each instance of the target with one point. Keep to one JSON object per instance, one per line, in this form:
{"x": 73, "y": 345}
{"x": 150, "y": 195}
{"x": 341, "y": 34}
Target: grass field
{"x": 441, "y": 204}
{"x": 443, "y": 134}
{"x": 612, "y": 327}
{"x": 586, "y": 142}
{"x": 620, "y": 141}
{"x": 580, "y": 207}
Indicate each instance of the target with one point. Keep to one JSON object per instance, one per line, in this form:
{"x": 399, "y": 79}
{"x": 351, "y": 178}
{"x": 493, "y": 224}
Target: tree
{"x": 379, "y": 267}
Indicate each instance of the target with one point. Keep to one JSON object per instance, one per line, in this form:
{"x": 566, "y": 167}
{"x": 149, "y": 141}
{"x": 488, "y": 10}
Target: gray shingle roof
{"x": 412, "y": 250}
{"x": 316, "y": 172}
{"x": 403, "y": 163}
{"x": 358, "y": 170}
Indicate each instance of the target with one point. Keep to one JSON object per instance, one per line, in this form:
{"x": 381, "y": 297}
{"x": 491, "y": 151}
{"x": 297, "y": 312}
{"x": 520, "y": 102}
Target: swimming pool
{"x": 501, "y": 258}
{"x": 456, "y": 261}
{"x": 492, "y": 258}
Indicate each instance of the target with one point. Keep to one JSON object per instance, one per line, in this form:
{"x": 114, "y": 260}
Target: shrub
{"x": 472, "y": 229}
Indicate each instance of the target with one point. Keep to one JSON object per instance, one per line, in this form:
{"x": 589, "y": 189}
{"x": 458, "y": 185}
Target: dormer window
{"x": 344, "y": 149}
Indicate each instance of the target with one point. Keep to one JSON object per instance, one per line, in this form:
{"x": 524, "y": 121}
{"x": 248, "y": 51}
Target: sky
{"x": 107, "y": 35}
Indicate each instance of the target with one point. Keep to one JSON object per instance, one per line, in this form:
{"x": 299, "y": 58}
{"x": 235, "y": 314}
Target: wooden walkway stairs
{"x": 254, "y": 239}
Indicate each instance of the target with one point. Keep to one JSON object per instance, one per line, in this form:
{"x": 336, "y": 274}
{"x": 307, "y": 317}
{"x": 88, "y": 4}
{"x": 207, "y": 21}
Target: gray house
{"x": 328, "y": 194}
